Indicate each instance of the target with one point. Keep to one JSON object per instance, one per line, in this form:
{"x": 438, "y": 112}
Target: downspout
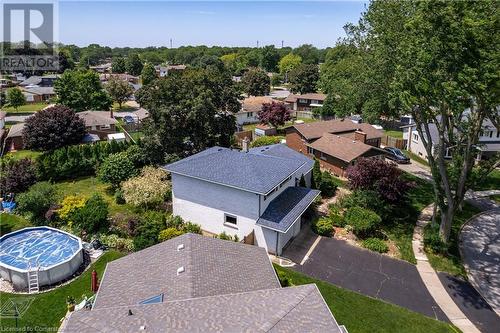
{"x": 277, "y": 241}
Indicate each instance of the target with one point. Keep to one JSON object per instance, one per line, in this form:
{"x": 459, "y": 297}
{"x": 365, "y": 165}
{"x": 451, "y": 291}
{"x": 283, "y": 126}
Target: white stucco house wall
{"x": 489, "y": 140}
{"x": 250, "y": 108}
{"x": 244, "y": 192}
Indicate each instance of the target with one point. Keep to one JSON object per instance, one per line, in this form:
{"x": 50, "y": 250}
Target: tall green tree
{"x": 308, "y": 53}
{"x": 118, "y": 65}
{"x": 15, "y": 98}
{"x": 134, "y": 64}
{"x": 256, "y": 82}
{"x": 81, "y": 90}
{"x": 119, "y": 90}
{"x": 148, "y": 73}
{"x": 289, "y": 62}
{"x": 188, "y": 113}
{"x": 304, "y": 79}
{"x": 269, "y": 58}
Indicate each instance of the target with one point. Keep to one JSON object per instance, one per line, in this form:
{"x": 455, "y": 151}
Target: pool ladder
{"x": 33, "y": 286}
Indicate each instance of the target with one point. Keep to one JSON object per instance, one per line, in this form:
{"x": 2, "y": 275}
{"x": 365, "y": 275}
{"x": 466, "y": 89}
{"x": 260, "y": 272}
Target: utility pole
{"x": 257, "y": 44}
{"x": 170, "y": 42}
{"x": 282, "y": 42}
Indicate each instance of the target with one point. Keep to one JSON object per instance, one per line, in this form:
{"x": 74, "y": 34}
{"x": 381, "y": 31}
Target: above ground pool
{"x": 53, "y": 253}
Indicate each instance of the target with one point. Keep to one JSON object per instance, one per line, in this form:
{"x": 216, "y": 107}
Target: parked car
{"x": 396, "y": 155}
{"x": 129, "y": 120}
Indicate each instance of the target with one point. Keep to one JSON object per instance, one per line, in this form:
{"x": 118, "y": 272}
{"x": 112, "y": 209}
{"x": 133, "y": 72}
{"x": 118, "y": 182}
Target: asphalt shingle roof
{"x": 97, "y": 118}
{"x": 337, "y": 126}
{"x": 293, "y": 309}
{"x": 341, "y": 147}
{"x": 287, "y": 208}
{"x": 212, "y": 267}
{"x": 283, "y": 151}
{"x": 256, "y": 173}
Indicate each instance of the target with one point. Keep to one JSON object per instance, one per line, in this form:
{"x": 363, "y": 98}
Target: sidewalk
{"x": 431, "y": 279}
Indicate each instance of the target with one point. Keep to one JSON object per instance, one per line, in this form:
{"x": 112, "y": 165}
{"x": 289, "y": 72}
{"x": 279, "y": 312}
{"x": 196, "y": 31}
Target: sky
{"x": 224, "y": 23}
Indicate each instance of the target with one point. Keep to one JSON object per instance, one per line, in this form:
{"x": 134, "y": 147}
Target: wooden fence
{"x": 389, "y": 141}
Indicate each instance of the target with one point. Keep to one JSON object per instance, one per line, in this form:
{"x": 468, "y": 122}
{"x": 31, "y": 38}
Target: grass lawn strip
{"x": 47, "y": 309}
{"x": 12, "y": 222}
{"x": 29, "y": 107}
{"x": 362, "y": 314}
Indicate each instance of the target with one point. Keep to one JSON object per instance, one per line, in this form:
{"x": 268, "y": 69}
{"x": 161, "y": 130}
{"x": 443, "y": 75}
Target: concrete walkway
{"x": 431, "y": 279}
{"x": 480, "y": 249}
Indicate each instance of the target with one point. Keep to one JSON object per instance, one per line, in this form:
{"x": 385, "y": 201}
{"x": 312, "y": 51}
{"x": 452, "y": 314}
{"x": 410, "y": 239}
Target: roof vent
{"x": 130, "y": 312}
{"x": 180, "y": 270}
{"x": 142, "y": 328}
{"x": 180, "y": 247}
{"x": 353, "y": 141}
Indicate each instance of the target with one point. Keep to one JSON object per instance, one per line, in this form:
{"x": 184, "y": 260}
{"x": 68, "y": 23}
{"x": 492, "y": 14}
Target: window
{"x": 415, "y": 137}
{"x": 302, "y": 100}
{"x": 230, "y": 219}
{"x": 322, "y": 156}
{"x": 249, "y": 114}
{"x": 105, "y": 126}
{"x": 310, "y": 151}
{"x": 153, "y": 300}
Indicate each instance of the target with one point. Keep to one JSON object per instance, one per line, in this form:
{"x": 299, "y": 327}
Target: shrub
{"x": 119, "y": 199}
{"x": 115, "y": 169}
{"x": 193, "y": 228}
{"x": 53, "y": 128}
{"x": 124, "y": 224}
{"x": 432, "y": 240}
{"x": 169, "y": 233}
{"x": 228, "y": 237}
{"x": 284, "y": 279}
{"x": 362, "y": 220}
{"x": 136, "y": 155}
{"x": 75, "y": 161}
{"x": 375, "y": 244}
{"x": 174, "y": 221}
{"x": 93, "y": 216}
{"x": 266, "y": 140}
{"x": 327, "y": 185}
{"x": 16, "y": 176}
{"x": 336, "y": 217}
{"x": 365, "y": 199}
{"x": 324, "y": 227}
{"x": 115, "y": 242}
{"x": 151, "y": 223}
{"x": 69, "y": 205}
{"x": 149, "y": 189}
{"x": 36, "y": 201}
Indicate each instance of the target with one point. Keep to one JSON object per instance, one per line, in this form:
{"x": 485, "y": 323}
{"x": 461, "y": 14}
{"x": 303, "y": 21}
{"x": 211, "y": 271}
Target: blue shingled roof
{"x": 282, "y": 150}
{"x": 287, "y": 208}
{"x": 250, "y": 172}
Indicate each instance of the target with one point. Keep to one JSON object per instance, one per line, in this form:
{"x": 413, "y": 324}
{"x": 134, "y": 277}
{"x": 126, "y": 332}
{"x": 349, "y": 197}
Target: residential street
{"x": 480, "y": 247}
{"x": 366, "y": 272}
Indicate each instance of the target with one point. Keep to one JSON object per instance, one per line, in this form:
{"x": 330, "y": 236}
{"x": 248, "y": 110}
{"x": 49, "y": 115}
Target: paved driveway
{"x": 480, "y": 246}
{"x": 368, "y": 273}
{"x": 417, "y": 169}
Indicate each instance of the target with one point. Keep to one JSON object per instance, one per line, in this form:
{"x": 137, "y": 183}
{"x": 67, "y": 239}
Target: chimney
{"x": 244, "y": 145}
{"x": 360, "y": 136}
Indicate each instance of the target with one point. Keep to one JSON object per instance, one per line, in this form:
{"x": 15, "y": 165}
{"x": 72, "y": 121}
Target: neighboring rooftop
{"x": 337, "y": 126}
{"x": 257, "y": 173}
{"x": 16, "y": 130}
{"x": 211, "y": 267}
{"x": 141, "y": 113}
{"x": 39, "y": 90}
{"x": 283, "y": 151}
{"x": 286, "y": 208}
{"x": 312, "y": 96}
{"x": 97, "y": 118}
{"x": 254, "y": 103}
{"x": 341, "y": 147}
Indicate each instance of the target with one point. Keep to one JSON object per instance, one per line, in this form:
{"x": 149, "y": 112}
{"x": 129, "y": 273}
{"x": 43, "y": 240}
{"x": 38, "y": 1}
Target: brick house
{"x": 303, "y": 105}
{"x": 336, "y": 143}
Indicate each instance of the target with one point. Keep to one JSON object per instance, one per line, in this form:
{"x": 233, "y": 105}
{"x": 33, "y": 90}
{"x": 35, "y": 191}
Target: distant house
{"x": 102, "y": 68}
{"x": 40, "y": 81}
{"x": 125, "y": 77}
{"x": 251, "y": 194}
{"x": 14, "y": 139}
{"x": 250, "y": 107}
{"x": 141, "y": 114}
{"x": 36, "y": 94}
{"x": 303, "y": 105}
{"x": 100, "y": 123}
{"x": 162, "y": 70}
{"x": 193, "y": 283}
{"x": 331, "y": 140}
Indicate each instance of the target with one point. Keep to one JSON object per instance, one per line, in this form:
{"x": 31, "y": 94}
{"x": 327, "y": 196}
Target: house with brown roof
{"x": 100, "y": 123}
{"x": 303, "y": 105}
{"x": 336, "y": 143}
{"x": 14, "y": 139}
{"x": 36, "y": 94}
{"x": 250, "y": 107}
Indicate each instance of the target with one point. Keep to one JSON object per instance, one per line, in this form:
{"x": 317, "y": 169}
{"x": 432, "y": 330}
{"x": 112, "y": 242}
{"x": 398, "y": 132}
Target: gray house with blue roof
{"x": 250, "y": 192}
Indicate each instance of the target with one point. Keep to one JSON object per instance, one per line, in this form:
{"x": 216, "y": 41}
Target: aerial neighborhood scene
{"x": 250, "y": 166}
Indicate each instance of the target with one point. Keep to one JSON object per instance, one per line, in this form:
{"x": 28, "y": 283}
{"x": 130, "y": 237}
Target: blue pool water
{"x": 43, "y": 246}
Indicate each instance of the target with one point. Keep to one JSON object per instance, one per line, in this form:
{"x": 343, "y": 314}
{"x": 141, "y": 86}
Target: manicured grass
{"x": 123, "y": 108}
{"x": 416, "y": 158}
{"x": 33, "y": 107}
{"x": 89, "y": 185}
{"x": 394, "y": 134}
{"x": 47, "y": 309}
{"x": 12, "y": 222}
{"x": 362, "y": 314}
{"x": 136, "y": 135}
{"x": 451, "y": 262}
{"x": 17, "y": 155}
{"x": 491, "y": 182}
{"x": 400, "y": 229}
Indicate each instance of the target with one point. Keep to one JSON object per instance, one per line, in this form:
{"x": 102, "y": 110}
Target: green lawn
{"x": 47, "y": 309}
{"x": 394, "y": 134}
{"x": 123, "y": 108}
{"x": 33, "y": 107}
{"x": 12, "y": 222}
{"x": 400, "y": 229}
{"x": 452, "y": 262}
{"x": 416, "y": 158}
{"x": 17, "y": 155}
{"x": 491, "y": 182}
{"x": 89, "y": 185}
{"x": 362, "y": 314}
